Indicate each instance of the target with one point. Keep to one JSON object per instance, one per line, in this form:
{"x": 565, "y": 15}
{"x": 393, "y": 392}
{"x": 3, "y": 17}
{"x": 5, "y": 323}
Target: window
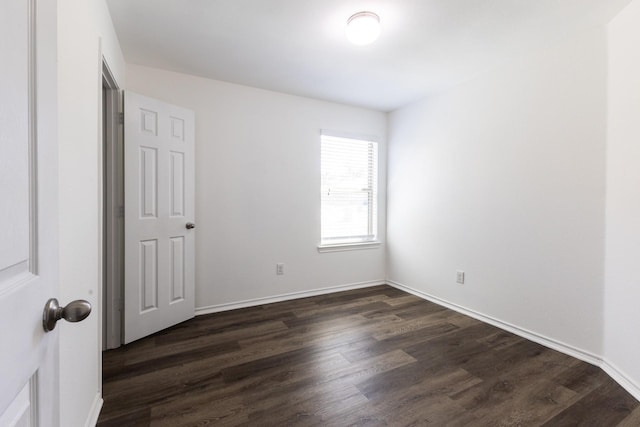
{"x": 349, "y": 191}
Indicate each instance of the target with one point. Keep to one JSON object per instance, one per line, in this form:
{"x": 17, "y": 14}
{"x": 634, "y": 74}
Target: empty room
{"x": 327, "y": 213}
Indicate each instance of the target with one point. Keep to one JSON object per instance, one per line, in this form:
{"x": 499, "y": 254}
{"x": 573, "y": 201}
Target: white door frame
{"x": 113, "y": 208}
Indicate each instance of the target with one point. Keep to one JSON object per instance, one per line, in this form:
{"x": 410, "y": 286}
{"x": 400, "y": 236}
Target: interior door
{"x": 159, "y": 215}
{"x": 28, "y": 212}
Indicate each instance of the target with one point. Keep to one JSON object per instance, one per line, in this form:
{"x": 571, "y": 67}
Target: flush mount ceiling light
{"x": 363, "y": 28}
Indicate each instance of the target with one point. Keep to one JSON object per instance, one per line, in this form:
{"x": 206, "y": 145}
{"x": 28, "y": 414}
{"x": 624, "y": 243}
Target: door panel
{"x": 28, "y": 212}
{"x": 149, "y": 275}
{"x": 159, "y": 201}
{"x": 148, "y": 182}
{"x": 177, "y": 269}
{"x": 22, "y": 411}
{"x": 177, "y": 184}
{"x": 14, "y": 137}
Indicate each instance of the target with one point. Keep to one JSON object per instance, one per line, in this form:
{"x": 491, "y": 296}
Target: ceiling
{"x": 299, "y": 46}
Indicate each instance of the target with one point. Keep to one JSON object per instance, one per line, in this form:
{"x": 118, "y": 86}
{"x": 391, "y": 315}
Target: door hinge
{"x": 120, "y": 212}
{"x": 121, "y": 118}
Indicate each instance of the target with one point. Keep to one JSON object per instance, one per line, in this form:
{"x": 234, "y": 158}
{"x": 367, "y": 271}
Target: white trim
{"x": 349, "y": 135}
{"x": 32, "y": 88}
{"x": 111, "y": 198}
{"x": 94, "y": 412}
{"x": 621, "y": 378}
{"x": 14, "y": 275}
{"x": 34, "y": 395}
{"x": 339, "y": 247}
{"x": 532, "y": 336}
{"x": 285, "y": 297}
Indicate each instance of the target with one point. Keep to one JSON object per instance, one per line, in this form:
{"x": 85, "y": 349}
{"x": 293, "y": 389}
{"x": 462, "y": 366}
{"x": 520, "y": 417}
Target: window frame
{"x": 372, "y": 197}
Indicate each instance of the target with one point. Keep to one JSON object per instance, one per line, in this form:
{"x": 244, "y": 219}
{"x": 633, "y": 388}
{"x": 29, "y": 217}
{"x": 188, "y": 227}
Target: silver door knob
{"x": 75, "y": 311}
{"x": 190, "y": 225}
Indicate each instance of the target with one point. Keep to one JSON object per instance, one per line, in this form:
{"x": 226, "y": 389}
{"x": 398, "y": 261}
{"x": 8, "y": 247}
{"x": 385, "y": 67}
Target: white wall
{"x": 503, "y": 177}
{"x": 257, "y": 187}
{"x": 83, "y": 26}
{"x": 622, "y": 278}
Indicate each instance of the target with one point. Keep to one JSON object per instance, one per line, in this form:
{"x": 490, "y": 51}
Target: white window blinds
{"x": 349, "y": 190}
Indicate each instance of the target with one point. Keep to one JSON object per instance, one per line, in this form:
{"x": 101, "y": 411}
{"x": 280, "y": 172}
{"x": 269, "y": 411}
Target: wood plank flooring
{"x": 369, "y": 357}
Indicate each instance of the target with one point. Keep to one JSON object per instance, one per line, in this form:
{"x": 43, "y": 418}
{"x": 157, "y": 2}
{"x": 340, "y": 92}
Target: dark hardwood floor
{"x": 369, "y": 357}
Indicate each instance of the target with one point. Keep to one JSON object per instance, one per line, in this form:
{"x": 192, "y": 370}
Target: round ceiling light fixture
{"x": 363, "y": 28}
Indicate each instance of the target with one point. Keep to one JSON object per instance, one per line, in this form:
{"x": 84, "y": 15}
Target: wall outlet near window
{"x": 460, "y": 277}
{"x": 280, "y": 269}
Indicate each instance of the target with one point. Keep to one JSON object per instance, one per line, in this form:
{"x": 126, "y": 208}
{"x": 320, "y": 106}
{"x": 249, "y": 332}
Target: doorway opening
{"x": 113, "y": 211}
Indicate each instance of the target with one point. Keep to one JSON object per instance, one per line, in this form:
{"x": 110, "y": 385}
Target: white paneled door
{"x": 159, "y": 215}
{"x": 29, "y": 385}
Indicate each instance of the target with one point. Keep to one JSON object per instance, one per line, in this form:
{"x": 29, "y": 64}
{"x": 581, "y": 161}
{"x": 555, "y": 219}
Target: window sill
{"x": 348, "y": 246}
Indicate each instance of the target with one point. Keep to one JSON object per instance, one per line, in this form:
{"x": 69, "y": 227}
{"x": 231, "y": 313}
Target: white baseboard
{"x": 94, "y": 412}
{"x": 621, "y": 378}
{"x": 285, "y": 297}
{"x": 524, "y": 333}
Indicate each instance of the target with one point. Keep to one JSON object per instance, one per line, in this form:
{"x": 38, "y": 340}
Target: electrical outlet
{"x": 460, "y": 277}
{"x": 280, "y": 269}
